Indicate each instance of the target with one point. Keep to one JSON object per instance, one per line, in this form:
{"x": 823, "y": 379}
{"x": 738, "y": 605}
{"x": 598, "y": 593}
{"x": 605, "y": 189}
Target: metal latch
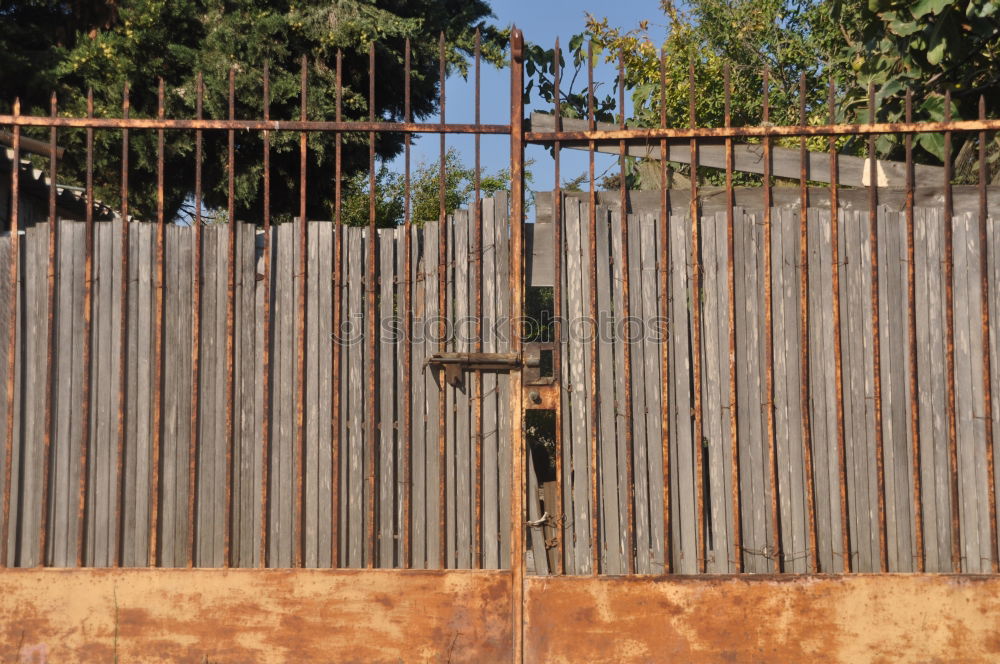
{"x": 456, "y": 364}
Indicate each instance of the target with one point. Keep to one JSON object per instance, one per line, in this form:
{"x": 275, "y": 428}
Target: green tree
{"x": 390, "y": 192}
{"x": 927, "y": 46}
{"x": 70, "y": 46}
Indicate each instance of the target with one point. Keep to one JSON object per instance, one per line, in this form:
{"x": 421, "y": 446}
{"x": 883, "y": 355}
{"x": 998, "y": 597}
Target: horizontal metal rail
{"x": 759, "y": 131}
{"x": 253, "y": 125}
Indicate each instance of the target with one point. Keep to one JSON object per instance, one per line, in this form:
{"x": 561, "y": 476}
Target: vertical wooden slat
{"x": 610, "y": 399}
{"x": 653, "y": 329}
{"x": 433, "y": 392}
{"x": 577, "y": 237}
{"x": 683, "y": 500}
{"x": 417, "y": 284}
{"x": 387, "y": 462}
{"x": 464, "y": 451}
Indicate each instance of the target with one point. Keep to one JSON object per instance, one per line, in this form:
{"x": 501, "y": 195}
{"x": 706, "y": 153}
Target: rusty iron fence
{"x": 153, "y": 388}
{"x": 818, "y": 397}
{"x": 802, "y": 334}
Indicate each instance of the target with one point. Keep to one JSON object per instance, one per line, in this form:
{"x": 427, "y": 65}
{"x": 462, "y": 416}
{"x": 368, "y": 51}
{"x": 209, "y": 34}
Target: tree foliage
{"x": 927, "y": 46}
{"x": 70, "y": 46}
{"x": 425, "y": 191}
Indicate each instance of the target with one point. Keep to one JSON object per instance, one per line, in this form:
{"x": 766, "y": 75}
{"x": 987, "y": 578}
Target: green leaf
{"x": 933, "y": 107}
{"x": 936, "y": 52}
{"x": 933, "y": 143}
{"x": 923, "y": 7}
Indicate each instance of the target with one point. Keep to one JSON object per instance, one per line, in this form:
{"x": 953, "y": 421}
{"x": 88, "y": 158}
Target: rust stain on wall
{"x": 843, "y": 619}
{"x": 222, "y": 616}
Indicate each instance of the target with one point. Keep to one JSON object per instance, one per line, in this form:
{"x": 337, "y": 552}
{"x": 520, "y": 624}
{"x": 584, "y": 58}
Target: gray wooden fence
{"x": 122, "y": 512}
{"x": 646, "y": 264}
{"x": 118, "y": 502}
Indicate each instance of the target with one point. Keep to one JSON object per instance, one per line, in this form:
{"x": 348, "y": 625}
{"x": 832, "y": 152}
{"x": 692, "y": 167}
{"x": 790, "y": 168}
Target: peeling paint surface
{"x": 242, "y": 615}
{"x": 699, "y": 620}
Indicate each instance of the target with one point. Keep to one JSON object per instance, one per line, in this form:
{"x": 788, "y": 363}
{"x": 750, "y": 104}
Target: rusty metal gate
{"x": 214, "y": 450}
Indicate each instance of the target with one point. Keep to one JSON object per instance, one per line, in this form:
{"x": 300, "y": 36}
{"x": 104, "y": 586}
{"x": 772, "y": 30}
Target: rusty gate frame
{"x": 547, "y": 618}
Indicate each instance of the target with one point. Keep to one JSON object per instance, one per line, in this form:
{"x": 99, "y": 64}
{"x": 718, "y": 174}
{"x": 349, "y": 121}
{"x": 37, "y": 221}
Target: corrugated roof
{"x": 35, "y": 182}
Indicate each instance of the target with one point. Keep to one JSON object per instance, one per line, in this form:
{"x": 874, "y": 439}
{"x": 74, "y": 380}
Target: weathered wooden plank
{"x": 311, "y": 406}
{"x": 136, "y": 491}
{"x": 683, "y": 500}
{"x": 387, "y": 462}
{"x": 401, "y": 282}
{"x": 824, "y": 397}
{"x": 921, "y": 295}
{"x": 854, "y": 410}
{"x": 463, "y": 405}
{"x": 752, "y": 402}
{"x": 655, "y": 335}
{"x": 797, "y": 554}
{"x": 936, "y": 453}
{"x": 716, "y": 401}
{"x": 980, "y": 480}
{"x": 450, "y": 395}
{"x": 968, "y": 372}
{"x": 783, "y": 426}
{"x": 432, "y": 394}
{"x": 418, "y": 283}
{"x": 354, "y": 411}
{"x": 893, "y": 332}
{"x": 613, "y": 517}
{"x": 993, "y": 271}
{"x": 633, "y": 334}
{"x": 32, "y": 323}
{"x": 250, "y": 390}
{"x": 749, "y": 157}
{"x": 172, "y": 338}
{"x": 578, "y": 414}
{"x": 502, "y": 228}
{"x": 636, "y": 332}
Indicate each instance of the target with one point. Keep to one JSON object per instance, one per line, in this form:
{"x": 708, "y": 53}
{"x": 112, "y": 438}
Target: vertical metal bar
{"x": 664, "y": 308}
{"x": 696, "y": 329}
{"x": 43, "y": 530}
{"x": 949, "y": 293}
{"x": 911, "y": 316}
{"x": 300, "y": 331}
{"x": 194, "y": 442}
{"x": 87, "y": 360}
{"x": 372, "y": 432}
{"x": 408, "y": 325}
{"x": 123, "y": 339}
{"x": 804, "y": 386}
{"x": 227, "y": 558}
{"x": 987, "y": 373}
{"x": 265, "y": 422}
{"x": 517, "y": 513}
{"x": 626, "y": 342}
{"x": 442, "y": 323}
{"x": 845, "y": 530}
{"x": 478, "y": 267}
{"x": 731, "y": 290}
{"x": 777, "y": 559}
{"x": 595, "y": 546}
{"x": 12, "y": 329}
{"x": 338, "y": 296}
{"x": 876, "y": 344}
{"x": 557, "y": 298}
{"x": 153, "y": 553}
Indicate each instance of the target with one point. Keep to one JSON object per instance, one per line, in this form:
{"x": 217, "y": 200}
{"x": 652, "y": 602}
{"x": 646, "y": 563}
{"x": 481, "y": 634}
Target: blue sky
{"x": 541, "y": 21}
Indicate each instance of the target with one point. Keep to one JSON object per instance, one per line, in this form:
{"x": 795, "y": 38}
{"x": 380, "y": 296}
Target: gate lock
{"x": 541, "y": 390}
{"x": 456, "y": 364}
